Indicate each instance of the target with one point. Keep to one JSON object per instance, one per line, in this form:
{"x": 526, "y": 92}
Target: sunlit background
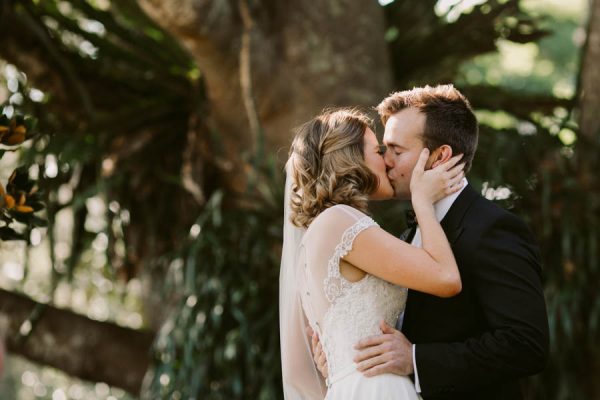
{"x": 95, "y": 289}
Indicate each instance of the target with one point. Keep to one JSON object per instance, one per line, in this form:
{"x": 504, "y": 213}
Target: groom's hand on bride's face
{"x": 390, "y": 352}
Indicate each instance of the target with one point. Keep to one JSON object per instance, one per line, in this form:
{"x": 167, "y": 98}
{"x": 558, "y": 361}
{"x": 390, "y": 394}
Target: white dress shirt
{"x": 441, "y": 209}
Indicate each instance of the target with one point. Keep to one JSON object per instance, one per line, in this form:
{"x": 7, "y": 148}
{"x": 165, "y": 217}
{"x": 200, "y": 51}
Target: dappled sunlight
{"x": 495, "y": 193}
{"x": 27, "y": 381}
{"x": 496, "y": 119}
{"x": 547, "y": 66}
{"x": 160, "y": 204}
{"x": 452, "y": 9}
{"x": 518, "y": 59}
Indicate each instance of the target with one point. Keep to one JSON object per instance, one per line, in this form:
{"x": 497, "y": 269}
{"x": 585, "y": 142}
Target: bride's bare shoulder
{"x": 337, "y": 215}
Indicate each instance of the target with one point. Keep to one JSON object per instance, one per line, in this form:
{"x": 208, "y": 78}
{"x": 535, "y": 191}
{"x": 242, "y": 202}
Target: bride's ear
{"x": 441, "y": 155}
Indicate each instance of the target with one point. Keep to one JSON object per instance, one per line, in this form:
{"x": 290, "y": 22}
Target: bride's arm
{"x": 431, "y": 269}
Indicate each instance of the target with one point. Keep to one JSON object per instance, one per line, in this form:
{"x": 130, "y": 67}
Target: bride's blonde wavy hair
{"x": 328, "y": 165}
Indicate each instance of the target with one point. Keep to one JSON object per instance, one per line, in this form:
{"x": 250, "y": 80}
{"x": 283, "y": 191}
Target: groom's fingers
{"x": 318, "y": 352}
{"x": 371, "y": 352}
{"x": 321, "y": 360}
{"x": 372, "y": 362}
{"x": 383, "y": 368}
{"x": 309, "y": 332}
{"x": 369, "y": 341}
{"x": 314, "y": 342}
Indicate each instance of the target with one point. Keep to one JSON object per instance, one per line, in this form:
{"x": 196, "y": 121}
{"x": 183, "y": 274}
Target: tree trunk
{"x": 277, "y": 64}
{"x": 3, "y": 327}
{"x": 79, "y": 346}
{"x": 302, "y": 58}
{"x": 589, "y": 104}
{"x": 590, "y": 77}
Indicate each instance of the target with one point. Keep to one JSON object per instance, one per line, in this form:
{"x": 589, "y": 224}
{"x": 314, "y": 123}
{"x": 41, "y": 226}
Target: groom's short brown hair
{"x": 449, "y": 118}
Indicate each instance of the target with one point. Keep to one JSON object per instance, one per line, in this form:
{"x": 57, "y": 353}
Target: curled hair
{"x": 328, "y": 165}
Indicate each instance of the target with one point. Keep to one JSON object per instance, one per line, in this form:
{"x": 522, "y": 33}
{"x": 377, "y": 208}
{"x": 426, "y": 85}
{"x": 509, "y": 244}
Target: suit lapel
{"x": 452, "y": 223}
{"x": 453, "y": 226}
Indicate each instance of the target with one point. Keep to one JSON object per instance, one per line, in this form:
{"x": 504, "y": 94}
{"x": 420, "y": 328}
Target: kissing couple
{"x": 453, "y": 309}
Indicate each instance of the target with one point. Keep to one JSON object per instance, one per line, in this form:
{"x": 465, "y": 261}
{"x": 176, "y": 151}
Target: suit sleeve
{"x": 506, "y": 278}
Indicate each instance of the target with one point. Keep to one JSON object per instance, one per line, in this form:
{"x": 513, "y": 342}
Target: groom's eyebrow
{"x": 395, "y": 145}
{"x": 389, "y": 143}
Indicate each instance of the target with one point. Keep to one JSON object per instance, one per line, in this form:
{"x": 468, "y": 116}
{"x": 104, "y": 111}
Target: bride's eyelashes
{"x": 381, "y": 149}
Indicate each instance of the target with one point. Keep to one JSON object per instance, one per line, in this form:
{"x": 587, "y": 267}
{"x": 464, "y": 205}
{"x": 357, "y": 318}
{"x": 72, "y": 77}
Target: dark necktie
{"x": 411, "y": 223}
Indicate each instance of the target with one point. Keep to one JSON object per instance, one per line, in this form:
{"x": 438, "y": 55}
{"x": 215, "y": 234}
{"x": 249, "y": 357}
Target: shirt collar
{"x": 442, "y": 206}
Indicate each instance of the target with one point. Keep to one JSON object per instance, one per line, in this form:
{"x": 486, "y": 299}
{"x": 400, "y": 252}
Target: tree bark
{"x": 3, "y": 328}
{"x": 589, "y": 123}
{"x": 303, "y": 58}
{"x": 79, "y": 346}
{"x": 590, "y": 77}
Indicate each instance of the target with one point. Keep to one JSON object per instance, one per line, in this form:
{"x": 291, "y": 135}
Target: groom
{"x": 478, "y": 344}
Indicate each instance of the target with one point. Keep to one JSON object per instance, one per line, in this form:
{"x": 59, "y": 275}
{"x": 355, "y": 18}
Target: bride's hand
{"x": 436, "y": 183}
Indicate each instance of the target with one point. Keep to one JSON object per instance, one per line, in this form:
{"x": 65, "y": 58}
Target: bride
{"x": 340, "y": 273}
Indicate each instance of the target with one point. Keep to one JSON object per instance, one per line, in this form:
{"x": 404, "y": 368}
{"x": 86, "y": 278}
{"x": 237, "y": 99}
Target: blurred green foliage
{"x": 23, "y": 381}
{"x": 222, "y": 341}
{"x": 519, "y": 68}
{"x": 547, "y": 66}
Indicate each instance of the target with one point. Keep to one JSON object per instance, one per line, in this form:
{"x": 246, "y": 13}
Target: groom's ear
{"x": 440, "y": 155}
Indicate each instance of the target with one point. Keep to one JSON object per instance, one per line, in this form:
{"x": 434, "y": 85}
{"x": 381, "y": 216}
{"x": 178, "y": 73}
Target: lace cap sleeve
{"x": 335, "y": 284}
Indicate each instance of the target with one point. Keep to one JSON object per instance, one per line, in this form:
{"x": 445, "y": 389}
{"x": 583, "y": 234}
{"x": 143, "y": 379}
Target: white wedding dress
{"x": 341, "y": 312}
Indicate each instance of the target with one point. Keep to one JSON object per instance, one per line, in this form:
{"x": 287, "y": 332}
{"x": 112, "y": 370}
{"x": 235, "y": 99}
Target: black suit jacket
{"x": 478, "y": 344}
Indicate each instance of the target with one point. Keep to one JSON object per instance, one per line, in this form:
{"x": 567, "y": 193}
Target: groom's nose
{"x": 388, "y": 159}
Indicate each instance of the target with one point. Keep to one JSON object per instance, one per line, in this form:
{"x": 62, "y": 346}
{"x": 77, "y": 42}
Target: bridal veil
{"x": 301, "y": 379}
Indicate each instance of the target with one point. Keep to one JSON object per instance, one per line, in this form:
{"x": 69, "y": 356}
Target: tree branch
{"x": 81, "y": 347}
{"x": 246, "y": 78}
{"x": 495, "y": 98}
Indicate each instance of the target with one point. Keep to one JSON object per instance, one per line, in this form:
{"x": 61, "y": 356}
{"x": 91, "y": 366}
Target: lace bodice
{"x": 343, "y": 312}
{"x": 356, "y": 314}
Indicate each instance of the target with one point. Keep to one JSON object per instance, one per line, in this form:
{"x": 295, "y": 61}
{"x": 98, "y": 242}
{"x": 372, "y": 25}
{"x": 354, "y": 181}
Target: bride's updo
{"x": 328, "y": 165}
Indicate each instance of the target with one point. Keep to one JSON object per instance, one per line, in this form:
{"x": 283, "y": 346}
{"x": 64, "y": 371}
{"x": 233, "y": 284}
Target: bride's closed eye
{"x": 381, "y": 149}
